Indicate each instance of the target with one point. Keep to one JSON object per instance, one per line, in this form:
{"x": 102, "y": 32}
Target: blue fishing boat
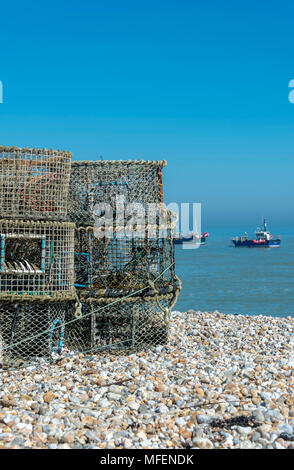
{"x": 264, "y": 239}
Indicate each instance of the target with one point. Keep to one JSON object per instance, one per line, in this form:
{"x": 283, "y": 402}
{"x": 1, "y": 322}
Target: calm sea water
{"x": 253, "y": 281}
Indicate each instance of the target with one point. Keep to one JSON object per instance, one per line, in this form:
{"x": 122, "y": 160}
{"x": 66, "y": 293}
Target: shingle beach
{"x": 223, "y": 381}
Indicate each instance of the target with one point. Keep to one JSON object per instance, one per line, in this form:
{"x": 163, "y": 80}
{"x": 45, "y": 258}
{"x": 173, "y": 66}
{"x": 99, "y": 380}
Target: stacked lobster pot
{"x": 37, "y": 252}
{"x": 124, "y": 255}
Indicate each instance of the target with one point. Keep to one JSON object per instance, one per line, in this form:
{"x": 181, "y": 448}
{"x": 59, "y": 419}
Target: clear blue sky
{"x": 202, "y": 84}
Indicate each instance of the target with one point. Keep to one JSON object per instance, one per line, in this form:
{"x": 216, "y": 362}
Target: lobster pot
{"x": 34, "y": 183}
{"x": 93, "y": 183}
{"x": 127, "y": 261}
{"x": 122, "y": 324}
{"x": 36, "y": 259}
{"x": 30, "y": 330}
{"x": 131, "y": 323}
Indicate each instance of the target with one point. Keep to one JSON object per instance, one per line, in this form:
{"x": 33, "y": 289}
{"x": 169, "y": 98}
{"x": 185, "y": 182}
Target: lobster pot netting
{"x": 125, "y": 262}
{"x": 36, "y": 258}
{"x": 29, "y": 330}
{"x": 98, "y": 182}
{"x": 78, "y": 330}
{"x": 124, "y": 324}
{"x": 34, "y": 183}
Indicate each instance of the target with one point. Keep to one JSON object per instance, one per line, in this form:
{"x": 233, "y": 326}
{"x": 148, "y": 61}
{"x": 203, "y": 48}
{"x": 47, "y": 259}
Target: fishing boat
{"x": 264, "y": 239}
{"x": 180, "y": 239}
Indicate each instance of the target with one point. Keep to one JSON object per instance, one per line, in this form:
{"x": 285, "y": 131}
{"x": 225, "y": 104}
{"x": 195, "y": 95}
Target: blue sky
{"x": 202, "y": 84}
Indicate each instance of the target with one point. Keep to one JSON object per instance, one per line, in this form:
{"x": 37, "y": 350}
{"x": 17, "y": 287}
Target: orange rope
{"x": 160, "y": 185}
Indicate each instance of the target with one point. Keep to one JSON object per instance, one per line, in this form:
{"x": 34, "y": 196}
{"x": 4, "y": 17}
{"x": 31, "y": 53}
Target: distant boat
{"x": 264, "y": 239}
{"x": 180, "y": 239}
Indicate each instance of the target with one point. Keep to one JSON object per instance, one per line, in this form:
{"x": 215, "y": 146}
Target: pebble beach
{"x": 223, "y": 381}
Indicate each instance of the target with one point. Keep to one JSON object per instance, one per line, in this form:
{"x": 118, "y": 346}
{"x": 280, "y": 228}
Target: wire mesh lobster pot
{"x": 31, "y": 329}
{"x": 127, "y": 261}
{"x": 123, "y": 323}
{"x": 78, "y": 336}
{"x": 98, "y": 182}
{"x": 36, "y": 259}
{"x": 34, "y": 183}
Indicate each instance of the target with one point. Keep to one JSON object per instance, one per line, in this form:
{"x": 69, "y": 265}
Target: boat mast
{"x": 264, "y": 225}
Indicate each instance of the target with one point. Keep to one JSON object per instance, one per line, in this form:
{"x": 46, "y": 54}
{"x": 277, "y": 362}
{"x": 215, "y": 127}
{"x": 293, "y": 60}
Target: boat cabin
{"x": 262, "y": 235}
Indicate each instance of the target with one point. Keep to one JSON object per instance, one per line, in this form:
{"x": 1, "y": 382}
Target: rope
{"x": 160, "y": 185}
{"x": 159, "y": 163}
{"x": 35, "y": 224}
{"x": 40, "y": 152}
{"x": 35, "y": 297}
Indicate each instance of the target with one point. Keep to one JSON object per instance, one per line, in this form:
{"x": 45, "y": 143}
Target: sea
{"x": 248, "y": 281}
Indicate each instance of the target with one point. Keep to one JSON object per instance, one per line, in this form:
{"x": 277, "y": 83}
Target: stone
{"x": 134, "y": 405}
{"x": 203, "y": 419}
{"x": 202, "y": 443}
{"x": 49, "y": 396}
{"x": 92, "y": 436}
{"x": 68, "y": 438}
